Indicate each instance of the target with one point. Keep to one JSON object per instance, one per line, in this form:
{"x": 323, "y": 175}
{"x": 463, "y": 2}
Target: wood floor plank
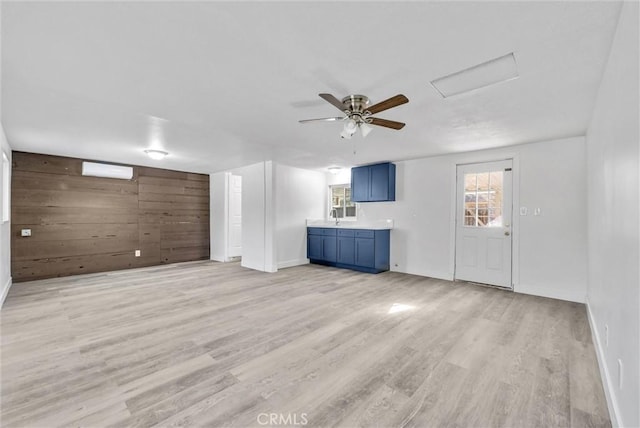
{"x": 214, "y": 344}
{"x": 375, "y": 410}
{"x": 586, "y": 389}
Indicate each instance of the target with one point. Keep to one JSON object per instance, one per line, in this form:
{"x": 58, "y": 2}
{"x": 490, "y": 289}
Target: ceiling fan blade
{"x": 333, "y": 100}
{"x": 387, "y": 104}
{"x": 386, "y": 123}
{"x": 326, "y": 119}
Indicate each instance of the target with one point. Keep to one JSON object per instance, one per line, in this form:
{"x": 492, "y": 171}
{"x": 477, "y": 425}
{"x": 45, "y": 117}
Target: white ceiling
{"x": 223, "y": 84}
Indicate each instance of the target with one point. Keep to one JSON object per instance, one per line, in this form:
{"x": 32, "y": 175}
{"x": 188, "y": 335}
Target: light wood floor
{"x": 211, "y": 344}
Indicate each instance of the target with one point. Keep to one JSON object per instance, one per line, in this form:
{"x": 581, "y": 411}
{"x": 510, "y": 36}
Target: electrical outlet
{"x": 537, "y": 211}
{"x": 25, "y": 232}
{"x": 620, "y": 373}
{"x": 523, "y": 210}
{"x": 137, "y": 253}
{"x": 606, "y": 335}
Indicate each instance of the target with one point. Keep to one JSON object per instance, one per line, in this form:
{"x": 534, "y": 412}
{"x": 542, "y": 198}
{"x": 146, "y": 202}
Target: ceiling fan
{"x": 358, "y": 112}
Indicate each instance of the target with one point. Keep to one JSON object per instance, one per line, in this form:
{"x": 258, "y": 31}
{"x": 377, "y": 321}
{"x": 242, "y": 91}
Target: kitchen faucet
{"x": 334, "y": 213}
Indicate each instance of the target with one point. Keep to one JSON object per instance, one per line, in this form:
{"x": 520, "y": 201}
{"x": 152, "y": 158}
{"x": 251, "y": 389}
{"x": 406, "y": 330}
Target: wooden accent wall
{"x": 89, "y": 224}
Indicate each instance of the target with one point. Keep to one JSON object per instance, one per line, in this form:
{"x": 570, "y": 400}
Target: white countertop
{"x": 365, "y": 224}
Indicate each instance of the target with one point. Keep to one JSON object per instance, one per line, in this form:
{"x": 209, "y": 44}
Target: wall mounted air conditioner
{"x": 105, "y": 170}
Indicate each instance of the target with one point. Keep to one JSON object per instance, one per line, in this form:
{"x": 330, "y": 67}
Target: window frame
{"x": 355, "y": 204}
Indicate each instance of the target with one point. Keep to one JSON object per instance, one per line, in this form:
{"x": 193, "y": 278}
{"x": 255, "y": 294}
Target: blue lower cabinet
{"x": 329, "y": 250}
{"x": 346, "y": 250}
{"x": 321, "y": 244}
{"x": 358, "y": 249}
{"x": 365, "y": 252}
{"x": 314, "y": 246}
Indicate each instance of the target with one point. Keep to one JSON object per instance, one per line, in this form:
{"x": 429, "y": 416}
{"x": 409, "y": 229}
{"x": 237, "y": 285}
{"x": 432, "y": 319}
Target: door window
{"x": 483, "y": 199}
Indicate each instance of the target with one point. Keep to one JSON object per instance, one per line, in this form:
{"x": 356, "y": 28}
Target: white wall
{"x": 613, "y": 203}
{"x": 218, "y": 200}
{"x": 299, "y": 194}
{"x": 276, "y": 201}
{"x": 258, "y": 223}
{"x": 553, "y": 246}
{"x": 5, "y": 230}
{"x": 549, "y": 250}
{"x": 342, "y": 177}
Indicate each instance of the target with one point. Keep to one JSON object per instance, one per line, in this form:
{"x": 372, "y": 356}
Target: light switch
{"x": 523, "y": 210}
{"x": 137, "y": 253}
{"x": 25, "y": 232}
{"x": 537, "y": 211}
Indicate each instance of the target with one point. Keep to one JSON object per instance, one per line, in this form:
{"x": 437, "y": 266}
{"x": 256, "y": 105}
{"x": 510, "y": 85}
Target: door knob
{"x": 507, "y": 233}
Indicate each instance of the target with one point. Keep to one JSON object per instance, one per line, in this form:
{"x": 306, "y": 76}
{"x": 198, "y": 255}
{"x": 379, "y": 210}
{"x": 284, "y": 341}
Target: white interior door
{"x": 235, "y": 216}
{"x": 483, "y": 223}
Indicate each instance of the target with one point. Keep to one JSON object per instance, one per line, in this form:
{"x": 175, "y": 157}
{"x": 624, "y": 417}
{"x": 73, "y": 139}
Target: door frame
{"x": 228, "y": 216}
{"x": 515, "y": 216}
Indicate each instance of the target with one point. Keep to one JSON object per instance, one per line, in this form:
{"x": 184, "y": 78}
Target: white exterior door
{"x": 235, "y": 216}
{"x": 483, "y": 223}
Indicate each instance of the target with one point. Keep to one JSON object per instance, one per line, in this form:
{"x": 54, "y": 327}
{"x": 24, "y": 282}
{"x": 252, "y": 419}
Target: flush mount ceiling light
{"x": 488, "y": 73}
{"x": 334, "y": 169}
{"x": 156, "y": 154}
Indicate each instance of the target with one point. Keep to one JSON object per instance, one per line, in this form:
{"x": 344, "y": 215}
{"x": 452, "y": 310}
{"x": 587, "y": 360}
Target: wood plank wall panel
{"x": 90, "y": 224}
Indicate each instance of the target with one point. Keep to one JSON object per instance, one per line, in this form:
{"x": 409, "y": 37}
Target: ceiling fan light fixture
{"x": 156, "y": 154}
{"x": 350, "y": 128}
{"x": 365, "y": 129}
{"x": 346, "y": 135}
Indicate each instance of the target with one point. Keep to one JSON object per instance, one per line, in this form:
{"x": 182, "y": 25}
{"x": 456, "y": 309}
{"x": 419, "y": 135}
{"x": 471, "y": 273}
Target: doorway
{"x": 484, "y": 212}
{"x": 234, "y": 244}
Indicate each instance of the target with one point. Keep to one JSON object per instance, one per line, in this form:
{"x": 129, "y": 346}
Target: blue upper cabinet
{"x": 373, "y": 183}
{"x": 360, "y": 184}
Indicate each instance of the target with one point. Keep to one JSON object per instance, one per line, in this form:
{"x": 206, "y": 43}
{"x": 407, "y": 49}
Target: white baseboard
{"x": 607, "y": 384}
{"x": 269, "y": 268}
{"x": 427, "y": 273}
{"x": 223, "y": 259}
{"x": 218, "y": 258}
{"x": 553, "y": 293}
{"x": 5, "y": 290}
{"x": 292, "y": 263}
